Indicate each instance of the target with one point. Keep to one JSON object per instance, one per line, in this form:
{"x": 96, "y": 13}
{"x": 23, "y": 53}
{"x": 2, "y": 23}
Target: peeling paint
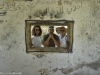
{"x": 65, "y": 70}
{"x": 8, "y": 47}
{"x": 43, "y": 71}
{"x": 86, "y": 33}
{"x": 49, "y": 61}
{"x": 40, "y": 55}
{"x": 54, "y": 70}
{"x": 94, "y": 65}
{"x": 83, "y": 51}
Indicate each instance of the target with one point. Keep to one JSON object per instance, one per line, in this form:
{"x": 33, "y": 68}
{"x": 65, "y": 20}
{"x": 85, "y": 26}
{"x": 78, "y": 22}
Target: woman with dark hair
{"x": 36, "y": 33}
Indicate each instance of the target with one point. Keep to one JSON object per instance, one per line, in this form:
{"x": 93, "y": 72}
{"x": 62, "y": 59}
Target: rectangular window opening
{"x": 49, "y": 36}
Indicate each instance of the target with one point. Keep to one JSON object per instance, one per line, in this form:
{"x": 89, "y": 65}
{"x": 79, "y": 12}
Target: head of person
{"x": 36, "y": 31}
{"x": 61, "y": 30}
{"x": 51, "y": 29}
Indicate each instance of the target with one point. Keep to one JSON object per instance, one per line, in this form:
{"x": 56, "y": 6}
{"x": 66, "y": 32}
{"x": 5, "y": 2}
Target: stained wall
{"x": 85, "y": 59}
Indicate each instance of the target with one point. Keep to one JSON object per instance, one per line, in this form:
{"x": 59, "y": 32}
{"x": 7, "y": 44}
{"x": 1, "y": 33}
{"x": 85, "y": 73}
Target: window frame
{"x": 68, "y": 23}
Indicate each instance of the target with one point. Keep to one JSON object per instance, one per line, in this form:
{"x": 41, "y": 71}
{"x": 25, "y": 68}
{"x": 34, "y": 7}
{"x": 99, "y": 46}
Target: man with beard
{"x": 51, "y": 39}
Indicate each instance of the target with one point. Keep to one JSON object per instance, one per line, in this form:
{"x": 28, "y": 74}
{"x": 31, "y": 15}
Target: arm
{"x": 45, "y": 43}
{"x": 56, "y": 41}
{"x": 46, "y": 40}
{"x": 32, "y": 41}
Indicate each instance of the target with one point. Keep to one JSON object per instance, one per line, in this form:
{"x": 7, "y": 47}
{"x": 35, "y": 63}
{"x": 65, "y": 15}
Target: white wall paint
{"x": 85, "y": 59}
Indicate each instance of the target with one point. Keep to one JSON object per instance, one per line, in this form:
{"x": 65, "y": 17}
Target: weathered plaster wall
{"x": 85, "y": 59}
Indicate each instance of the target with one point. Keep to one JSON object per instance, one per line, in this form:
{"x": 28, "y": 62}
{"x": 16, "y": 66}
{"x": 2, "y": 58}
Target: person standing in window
{"x": 63, "y": 36}
{"x": 51, "y": 39}
{"x": 35, "y": 39}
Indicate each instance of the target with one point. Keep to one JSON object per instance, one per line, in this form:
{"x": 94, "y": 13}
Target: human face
{"x": 62, "y": 31}
{"x": 51, "y": 30}
{"x": 37, "y": 30}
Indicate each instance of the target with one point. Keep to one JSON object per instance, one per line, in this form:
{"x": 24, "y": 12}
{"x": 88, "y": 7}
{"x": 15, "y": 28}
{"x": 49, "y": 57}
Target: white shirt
{"x": 63, "y": 41}
{"x": 36, "y": 41}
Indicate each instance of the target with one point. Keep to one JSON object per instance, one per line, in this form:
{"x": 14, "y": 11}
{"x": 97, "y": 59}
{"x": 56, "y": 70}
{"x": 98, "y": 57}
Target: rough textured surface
{"x": 85, "y": 59}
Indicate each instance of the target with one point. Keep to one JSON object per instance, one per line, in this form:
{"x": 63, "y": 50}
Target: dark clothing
{"x": 51, "y": 42}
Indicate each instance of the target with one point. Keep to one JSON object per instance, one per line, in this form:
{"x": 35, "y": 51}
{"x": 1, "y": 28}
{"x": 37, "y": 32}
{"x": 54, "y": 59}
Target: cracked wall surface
{"x": 85, "y": 59}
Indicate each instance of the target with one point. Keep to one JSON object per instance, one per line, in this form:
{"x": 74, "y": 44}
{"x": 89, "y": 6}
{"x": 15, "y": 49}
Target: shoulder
{"x": 33, "y": 36}
{"x": 46, "y": 35}
{"x": 55, "y": 35}
{"x": 66, "y": 37}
